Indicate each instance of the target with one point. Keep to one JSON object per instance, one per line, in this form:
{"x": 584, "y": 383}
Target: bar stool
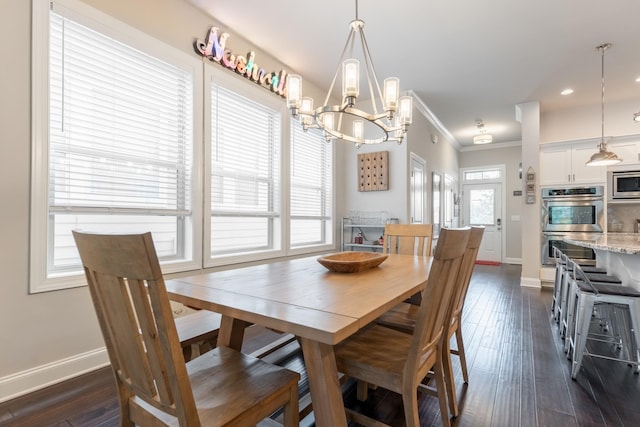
{"x": 560, "y": 288}
{"x": 620, "y": 304}
{"x": 597, "y": 275}
{"x": 568, "y": 322}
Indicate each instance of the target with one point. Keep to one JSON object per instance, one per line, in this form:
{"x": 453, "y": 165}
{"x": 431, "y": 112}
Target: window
{"x": 132, "y": 135}
{"x": 245, "y": 138}
{"x": 311, "y": 198}
{"x": 116, "y": 145}
{"x": 482, "y": 175}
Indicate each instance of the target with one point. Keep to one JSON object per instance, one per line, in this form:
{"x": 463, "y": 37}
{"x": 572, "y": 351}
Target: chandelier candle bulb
{"x": 406, "y": 106}
{"x": 294, "y": 92}
{"x": 350, "y": 77}
{"x": 391, "y": 89}
{"x": 306, "y": 111}
{"x": 358, "y": 128}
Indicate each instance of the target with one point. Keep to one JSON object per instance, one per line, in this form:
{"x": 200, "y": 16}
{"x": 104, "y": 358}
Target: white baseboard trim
{"x": 530, "y": 282}
{"x": 513, "y": 261}
{"x": 28, "y": 381}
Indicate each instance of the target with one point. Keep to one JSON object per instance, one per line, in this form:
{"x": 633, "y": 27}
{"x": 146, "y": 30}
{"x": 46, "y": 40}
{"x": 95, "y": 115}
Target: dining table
{"x": 302, "y": 297}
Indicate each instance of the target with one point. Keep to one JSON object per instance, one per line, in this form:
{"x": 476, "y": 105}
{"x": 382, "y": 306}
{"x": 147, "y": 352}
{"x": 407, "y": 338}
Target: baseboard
{"x": 530, "y": 282}
{"x": 513, "y": 261}
{"x": 28, "y": 381}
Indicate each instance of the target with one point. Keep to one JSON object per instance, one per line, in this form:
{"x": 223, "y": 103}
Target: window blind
{"x": 245, "y": 174}
{"x": 311, "y": 187}
{"x": 120, "y": 134}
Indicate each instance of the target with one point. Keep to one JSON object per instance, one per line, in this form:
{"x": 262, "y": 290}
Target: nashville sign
{"x": 214, "y": 48}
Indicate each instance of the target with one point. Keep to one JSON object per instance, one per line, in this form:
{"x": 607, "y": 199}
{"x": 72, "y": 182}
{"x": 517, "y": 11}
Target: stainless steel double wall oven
{"x": 575, "y": 211}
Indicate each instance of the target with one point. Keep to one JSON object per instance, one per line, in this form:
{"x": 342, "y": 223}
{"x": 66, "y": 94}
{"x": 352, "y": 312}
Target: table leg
{"x": 326, "y": 394}
{"x": 232, "y": 332}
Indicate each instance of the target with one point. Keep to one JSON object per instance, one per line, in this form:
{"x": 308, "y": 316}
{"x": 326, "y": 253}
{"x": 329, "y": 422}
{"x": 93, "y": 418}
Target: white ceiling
{"x": 466, "y": 59}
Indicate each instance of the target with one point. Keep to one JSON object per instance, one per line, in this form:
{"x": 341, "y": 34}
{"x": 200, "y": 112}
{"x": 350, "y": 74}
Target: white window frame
{"x": 213, "y": 72}
{"x": 329, "y": 225}
{"x": 78, "y": 11}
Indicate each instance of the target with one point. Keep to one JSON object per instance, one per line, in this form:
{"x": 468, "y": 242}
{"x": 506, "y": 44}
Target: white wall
{"x": 50, "y": 336}
{"x": 441, "y": 157}
{"x": 585, "y": 122}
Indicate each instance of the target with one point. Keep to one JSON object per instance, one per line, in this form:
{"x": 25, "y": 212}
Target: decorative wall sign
{"x": 214, "y": 48}
{"x": 373, "y": 173}
{"x": 530, "y": 186}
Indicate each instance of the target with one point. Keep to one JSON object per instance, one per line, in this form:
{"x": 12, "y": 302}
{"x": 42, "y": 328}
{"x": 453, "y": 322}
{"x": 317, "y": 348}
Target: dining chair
{"x": 398, "y": 361}
{"x": 408, "y": 239}
{"x": 223, "y": 387}
{"x": 198, "y": 329}
{"x": 403, "y": 317}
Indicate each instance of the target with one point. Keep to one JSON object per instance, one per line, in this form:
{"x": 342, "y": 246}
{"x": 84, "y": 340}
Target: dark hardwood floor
{"x": 519, "y": 375}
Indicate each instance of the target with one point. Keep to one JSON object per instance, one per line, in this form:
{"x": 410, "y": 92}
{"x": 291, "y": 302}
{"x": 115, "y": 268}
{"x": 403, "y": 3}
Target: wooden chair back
{"x": 133, "y": 309}
{"x": 466, "y": 270}
{"x": 434, "y": 313}
{"x": 408, "y": 239}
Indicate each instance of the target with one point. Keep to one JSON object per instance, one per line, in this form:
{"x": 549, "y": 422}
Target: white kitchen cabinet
{"x": 627, "y": 151}
{"x": 565, "y": 165}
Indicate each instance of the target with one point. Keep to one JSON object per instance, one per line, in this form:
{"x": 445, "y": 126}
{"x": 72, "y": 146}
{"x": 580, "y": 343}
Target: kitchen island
{"x": 619, "y": 253}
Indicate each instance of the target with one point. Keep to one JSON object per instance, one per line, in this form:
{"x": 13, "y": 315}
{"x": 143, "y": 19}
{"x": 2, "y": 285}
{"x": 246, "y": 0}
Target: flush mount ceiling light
{"x": 603, "y": 157}
{"x": 390, "y": 114}
{"x": 483, "y": 137}
{"x": 636, "y": 117}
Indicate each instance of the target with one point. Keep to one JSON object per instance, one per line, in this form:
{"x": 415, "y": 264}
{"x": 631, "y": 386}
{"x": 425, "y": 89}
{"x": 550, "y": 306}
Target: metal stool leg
{"x": 582, "y": 324}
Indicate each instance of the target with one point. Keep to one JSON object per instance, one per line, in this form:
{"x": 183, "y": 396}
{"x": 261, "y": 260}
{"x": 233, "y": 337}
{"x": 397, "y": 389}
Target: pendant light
{"x": 603, "y": 157}
{"x": 482, "y": 137}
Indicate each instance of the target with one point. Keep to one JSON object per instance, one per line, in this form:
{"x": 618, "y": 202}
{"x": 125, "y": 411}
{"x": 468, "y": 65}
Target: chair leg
{"x": 556, "y": 291}
{"x": 442, "y": 394}
{"x": 461, "y": 354}
{"x": 582, "y": 323}
{"x": 634, "y": 312}
{"x": 562, "y": 310}
{"x": 450, "y": 385}
{"x": 571, "y": 308}
{"x": 362, "y": 390}
{"x": 290, "y": 411}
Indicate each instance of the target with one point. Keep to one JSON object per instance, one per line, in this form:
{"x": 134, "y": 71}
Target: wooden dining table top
{"x": 302, "y": 297}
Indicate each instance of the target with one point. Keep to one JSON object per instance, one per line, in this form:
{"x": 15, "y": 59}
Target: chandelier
{"x": 483, "y": 137}
{"x": 603, "y": 157}
{"x": 389, "y": 115}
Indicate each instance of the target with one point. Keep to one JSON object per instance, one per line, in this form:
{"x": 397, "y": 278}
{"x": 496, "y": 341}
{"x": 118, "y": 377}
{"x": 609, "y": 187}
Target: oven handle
{"x": 573, "y": 199}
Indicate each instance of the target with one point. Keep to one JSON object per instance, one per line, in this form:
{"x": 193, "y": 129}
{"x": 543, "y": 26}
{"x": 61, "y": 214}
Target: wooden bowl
{"x": 351, "y": 261}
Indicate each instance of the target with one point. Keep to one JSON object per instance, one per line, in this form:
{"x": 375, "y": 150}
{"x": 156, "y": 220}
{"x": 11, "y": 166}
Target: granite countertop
{"x": 625, "y": 243}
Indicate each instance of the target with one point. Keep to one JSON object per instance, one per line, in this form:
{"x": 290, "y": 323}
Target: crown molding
{"x": 428, "y": 114}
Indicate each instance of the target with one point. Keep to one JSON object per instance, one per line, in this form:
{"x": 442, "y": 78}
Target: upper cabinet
{"x": 565, "y": 165}
{"x": 628, "y": 151}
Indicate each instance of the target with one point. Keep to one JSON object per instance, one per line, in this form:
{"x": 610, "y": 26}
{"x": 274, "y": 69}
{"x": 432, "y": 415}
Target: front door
{"x": 482, "y": 206}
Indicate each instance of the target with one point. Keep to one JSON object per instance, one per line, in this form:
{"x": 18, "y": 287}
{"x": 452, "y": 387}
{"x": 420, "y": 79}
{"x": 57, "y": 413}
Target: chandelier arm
{"x": 371, "y": 73}
{"x": 338, "y": 68}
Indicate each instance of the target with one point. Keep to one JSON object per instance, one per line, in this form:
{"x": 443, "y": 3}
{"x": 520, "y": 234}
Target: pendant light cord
{"x": 602, "y": 48}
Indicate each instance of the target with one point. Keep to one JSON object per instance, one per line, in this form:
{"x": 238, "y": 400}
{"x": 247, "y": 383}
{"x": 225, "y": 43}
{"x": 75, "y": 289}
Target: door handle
{"x": 498, "y": 222}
